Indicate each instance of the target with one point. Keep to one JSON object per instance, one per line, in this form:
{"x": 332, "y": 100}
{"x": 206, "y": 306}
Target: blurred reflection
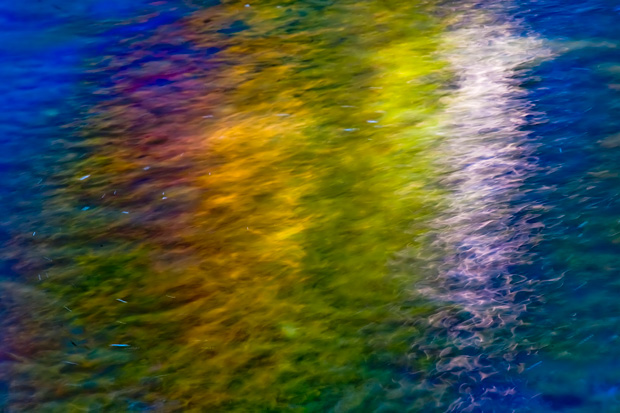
{"x": 309, "y": 206}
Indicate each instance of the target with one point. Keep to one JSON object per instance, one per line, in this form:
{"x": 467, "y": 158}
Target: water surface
{"x": 309, "y": 206}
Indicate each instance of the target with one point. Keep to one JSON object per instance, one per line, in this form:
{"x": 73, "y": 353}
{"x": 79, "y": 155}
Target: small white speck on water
{"x": 164, "y": 197}
{"x": 102, "y": 196}
{"x": 34, "y": 233}
{"x": 67, "y": 308}
{"x": 84, "y": 177}
{"x": 207, "y": 116}
{"x": 371, "y": 121}
{"x": 120, "y": 322}
{"x": 170, "y": 296}
{"x": 350, "y": 129}
{"x": 247, "y": 5}
{"x": 119, "y": 345}
{"x": 586, "y": 339}
{"x": 69, "y": 362}
{"x": 283, "y": 114}
{"x": 39, "y": 277}
{"x": 146, "y": 168}
{"x": 534, "y": 365}
{"x": 85, "y": 208}
{"x": 114, "y": 192}
{"x": 125, "y": 212}
{"x": 580, "y": 285}
{"x": 122, "y": 301}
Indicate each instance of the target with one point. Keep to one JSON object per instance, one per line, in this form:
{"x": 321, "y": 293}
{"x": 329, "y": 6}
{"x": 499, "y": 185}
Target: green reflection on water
{"x": 238, "y": 220}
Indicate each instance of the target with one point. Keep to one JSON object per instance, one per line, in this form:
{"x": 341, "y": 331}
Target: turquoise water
{"x": 309, "y": 206}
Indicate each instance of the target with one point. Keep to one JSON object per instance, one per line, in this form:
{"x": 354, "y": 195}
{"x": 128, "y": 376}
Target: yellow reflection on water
{"x": 230, "y": 249}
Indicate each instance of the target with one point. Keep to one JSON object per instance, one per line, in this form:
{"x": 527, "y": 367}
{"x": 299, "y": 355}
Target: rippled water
{"x": 309, "y": 206}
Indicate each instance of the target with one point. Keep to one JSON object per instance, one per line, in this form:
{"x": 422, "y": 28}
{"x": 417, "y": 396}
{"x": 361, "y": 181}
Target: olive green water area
{"x": 233, "y": 218}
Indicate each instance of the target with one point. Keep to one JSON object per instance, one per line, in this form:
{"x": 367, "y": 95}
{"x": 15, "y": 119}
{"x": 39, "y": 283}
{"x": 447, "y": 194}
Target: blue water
{"x": 578, "y": 318}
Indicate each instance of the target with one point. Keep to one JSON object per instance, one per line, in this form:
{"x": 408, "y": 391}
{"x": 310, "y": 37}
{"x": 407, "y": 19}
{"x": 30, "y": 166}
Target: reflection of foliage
{"x": 250, "y": 173}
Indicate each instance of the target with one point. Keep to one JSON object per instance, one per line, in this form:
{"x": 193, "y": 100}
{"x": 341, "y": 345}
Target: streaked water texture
{"x": 309, "y": 206}
{"x": 486, "y": 156}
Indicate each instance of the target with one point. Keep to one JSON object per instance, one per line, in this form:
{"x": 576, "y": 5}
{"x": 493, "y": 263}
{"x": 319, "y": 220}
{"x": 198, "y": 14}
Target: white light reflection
{"x": 488, "y": 156}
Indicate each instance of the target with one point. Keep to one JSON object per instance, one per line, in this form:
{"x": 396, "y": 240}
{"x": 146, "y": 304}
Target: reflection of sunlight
{"x": 486, "y": 152}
